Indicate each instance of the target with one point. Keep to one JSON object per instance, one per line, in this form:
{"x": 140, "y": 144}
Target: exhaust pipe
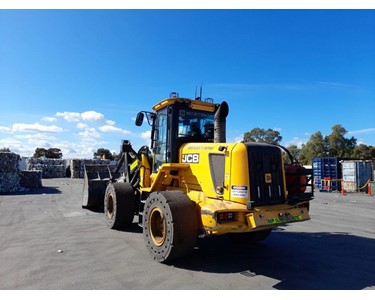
{"x": 220, "y": 123}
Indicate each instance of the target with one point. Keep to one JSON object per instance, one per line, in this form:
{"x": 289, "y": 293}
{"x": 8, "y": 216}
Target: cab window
{"x": 196, "y": 124}
{"x": 160, "y": 150}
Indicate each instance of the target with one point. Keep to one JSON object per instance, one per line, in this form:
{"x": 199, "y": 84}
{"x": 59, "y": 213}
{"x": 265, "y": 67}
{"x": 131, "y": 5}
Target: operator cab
{"x": 177, "y": 121}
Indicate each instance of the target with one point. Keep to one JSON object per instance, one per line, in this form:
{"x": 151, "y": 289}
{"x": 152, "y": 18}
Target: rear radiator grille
{"x": 266, "y": 174}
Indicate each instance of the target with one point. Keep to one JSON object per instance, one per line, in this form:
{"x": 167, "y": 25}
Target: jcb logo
{"x": 190, "y": 158}
{"x": 268, "y": 178}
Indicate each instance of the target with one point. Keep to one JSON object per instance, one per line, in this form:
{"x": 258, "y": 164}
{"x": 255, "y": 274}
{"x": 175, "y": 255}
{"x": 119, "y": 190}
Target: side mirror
{"x": 139, "y": 119}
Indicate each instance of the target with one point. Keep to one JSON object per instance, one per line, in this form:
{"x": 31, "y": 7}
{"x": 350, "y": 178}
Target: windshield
{"x": 194, "y": 123}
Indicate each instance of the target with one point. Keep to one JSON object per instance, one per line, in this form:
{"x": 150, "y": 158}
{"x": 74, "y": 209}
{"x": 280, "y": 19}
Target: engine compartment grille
{"x": 266, "y": 174}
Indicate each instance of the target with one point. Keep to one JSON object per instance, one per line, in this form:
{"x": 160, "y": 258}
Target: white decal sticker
{"x": 239, "y": 191}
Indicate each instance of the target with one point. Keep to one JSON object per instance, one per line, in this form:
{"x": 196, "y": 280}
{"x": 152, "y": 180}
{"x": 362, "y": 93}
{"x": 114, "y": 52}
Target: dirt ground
{"x": 48, "y": 242}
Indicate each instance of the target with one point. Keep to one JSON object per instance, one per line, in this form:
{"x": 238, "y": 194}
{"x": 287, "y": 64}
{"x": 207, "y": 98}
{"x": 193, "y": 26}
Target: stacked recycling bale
{"x": 75, "y": 167}
{"x": 31, "y": 179}
{"x": 51, "y": 168}
{"x": 84, "y": 162}
{"x": 9, "y": 172}
{"x": 90, "y": 162}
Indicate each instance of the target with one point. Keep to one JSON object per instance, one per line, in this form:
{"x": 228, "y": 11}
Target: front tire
{"x": 170, "y": 225}
{"x": 119, "y": 205}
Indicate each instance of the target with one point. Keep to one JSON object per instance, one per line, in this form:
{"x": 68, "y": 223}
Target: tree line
{"x": 334, "y": 144}
{"x": 101, "y": 153}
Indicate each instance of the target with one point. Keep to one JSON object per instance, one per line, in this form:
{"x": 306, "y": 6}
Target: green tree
{"x": 54, "y": 153}
{"x": 40, "y": 152}
{"x": 363, "y": 151}
{"x": 103, "y": 154}
{"x": 50, "y": 153}
{"x": 260, "y": 135}
{"x": 5, "y": 150}
{"x": 336, "y": 143}
{"x": 294, "y": 151}
{"x": 315, "y": 147}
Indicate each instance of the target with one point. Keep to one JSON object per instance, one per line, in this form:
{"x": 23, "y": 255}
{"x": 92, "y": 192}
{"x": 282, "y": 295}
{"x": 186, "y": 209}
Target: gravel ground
{"x": 48, "y": 242}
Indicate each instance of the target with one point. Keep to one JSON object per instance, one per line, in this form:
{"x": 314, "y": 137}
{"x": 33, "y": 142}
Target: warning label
{"x": 239, "y": 191}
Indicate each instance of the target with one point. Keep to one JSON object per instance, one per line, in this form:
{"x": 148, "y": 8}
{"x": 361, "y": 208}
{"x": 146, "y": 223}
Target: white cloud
{"x": 82, "y": 126}
{"x": 110, "y": 122}
{"x": 146, "y": 135}
{"x": 92, "y": 116}
{"x": 36, "y": 136}
{"x": 362, "y": 131}
{"x": 296, "y": 141}
{"x": 48, "y": 119}
{"x": 110, "y": 128}
{"x": 89, "y": 133}
{"x": 22, "y": 127}
{"x": 40, "y": 143}
{"x": 5, "y": 129}
{"x": 17, "y": 146}
{"x": 69, "y": 116}
{"x": 238, "y": 139}
{"x": 11, "y": 143}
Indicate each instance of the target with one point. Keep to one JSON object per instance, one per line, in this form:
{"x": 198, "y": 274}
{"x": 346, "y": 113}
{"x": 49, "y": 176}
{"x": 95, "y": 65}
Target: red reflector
{"x": 226, "y": 217}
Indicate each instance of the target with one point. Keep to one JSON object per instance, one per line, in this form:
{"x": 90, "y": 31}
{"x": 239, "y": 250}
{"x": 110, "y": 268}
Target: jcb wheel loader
{"x": 193, "y": 183}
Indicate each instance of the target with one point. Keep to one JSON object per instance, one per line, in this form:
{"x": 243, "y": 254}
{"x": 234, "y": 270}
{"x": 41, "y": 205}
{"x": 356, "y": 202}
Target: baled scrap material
{"x": 75, "y": 167}
{"x": 51, "y": 168}
{"x": 91, "y": 162}
{"x": 9, "y": 177}
{"x": 31, "y": 179}
{"x": 9, "y": 162}
{"x": 9, "y": 182}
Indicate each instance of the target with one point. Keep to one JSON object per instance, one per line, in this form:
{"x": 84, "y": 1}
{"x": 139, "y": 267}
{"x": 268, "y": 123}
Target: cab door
{"x": 161, "y": 134}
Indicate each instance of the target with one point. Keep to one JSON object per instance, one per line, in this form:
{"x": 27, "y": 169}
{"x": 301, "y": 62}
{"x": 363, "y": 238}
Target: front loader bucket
{"x": 95, "y": 182}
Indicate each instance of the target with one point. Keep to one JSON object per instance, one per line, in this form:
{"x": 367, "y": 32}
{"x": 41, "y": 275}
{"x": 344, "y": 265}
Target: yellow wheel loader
{"x": 191, "y": 183}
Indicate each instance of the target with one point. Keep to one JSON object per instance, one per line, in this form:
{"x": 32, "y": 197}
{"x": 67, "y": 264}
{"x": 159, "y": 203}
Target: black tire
{"x": 248, "y": 238}
{"x": 119, "y": 205}
{"x": 170, "y": 225}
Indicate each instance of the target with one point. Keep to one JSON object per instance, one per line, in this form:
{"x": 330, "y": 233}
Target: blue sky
{"x": 75, "y": 79}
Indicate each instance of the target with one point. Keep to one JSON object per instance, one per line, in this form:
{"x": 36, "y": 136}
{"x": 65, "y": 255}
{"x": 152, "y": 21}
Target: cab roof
{"x": 193, "y": 104}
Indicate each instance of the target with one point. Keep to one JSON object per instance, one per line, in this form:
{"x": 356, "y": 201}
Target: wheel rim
{"x": 110, "y": 207}
{"x": 158, "y": 228}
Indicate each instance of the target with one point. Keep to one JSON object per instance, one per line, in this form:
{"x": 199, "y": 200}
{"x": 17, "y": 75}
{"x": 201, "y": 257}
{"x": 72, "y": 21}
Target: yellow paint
{"x": 194, "y": 104}
{"x": 145, "y": 172}
{"x": 134, "y": 165}
{"x": 230, "y": 195}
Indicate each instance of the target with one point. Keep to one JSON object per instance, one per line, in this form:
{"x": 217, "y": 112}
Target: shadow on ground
{"x": 300, "y": 261}
{"x": 48, "y": 190}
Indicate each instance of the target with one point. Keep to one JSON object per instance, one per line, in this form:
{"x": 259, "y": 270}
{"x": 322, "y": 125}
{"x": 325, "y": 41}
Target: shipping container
{"x": 327, "y": 173}
{"x": 355, "y": 174}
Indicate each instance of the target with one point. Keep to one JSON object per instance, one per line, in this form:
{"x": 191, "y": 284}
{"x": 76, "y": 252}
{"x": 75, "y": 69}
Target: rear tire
{"x": 249, "y": 238}
{"x": 170, "y": 225}
{"x": 119, "y": 205}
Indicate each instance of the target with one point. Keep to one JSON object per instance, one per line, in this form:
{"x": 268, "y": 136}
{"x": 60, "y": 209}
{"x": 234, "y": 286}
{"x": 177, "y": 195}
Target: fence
{"x": 326, "y": 185}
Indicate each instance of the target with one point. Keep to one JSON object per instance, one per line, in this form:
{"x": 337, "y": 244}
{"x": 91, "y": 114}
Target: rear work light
{"x": 223, "y": 217}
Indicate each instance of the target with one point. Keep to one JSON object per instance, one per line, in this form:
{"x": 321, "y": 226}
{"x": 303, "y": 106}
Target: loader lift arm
{"x": 97, "y": 177}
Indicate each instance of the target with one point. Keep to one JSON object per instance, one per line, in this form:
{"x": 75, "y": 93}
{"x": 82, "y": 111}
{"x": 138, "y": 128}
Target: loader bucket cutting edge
{"x": 95, "y": 182}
